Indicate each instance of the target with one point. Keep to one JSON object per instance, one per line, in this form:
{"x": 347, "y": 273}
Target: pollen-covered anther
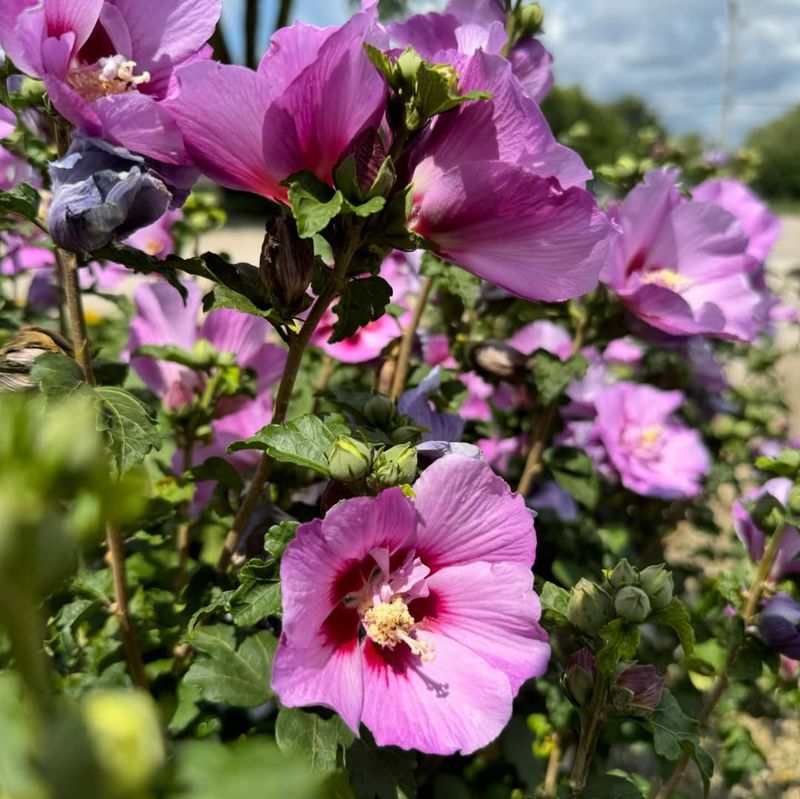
{"x": 668, "y": 279}
{"x": 650, "y": 435}
{"x": 112, "y": 75}
{"x": 389, "y": 623}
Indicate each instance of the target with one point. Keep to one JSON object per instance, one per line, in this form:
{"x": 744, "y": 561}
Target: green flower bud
{"x": 590, "y": 608}
{"x": 656, "y": 582}
{"x": 794, "y": 500}
{"x": 408, "y": 63}
{"x": 448, "y": 72}
{"x": 632, "y": 604}
{"x": 126, "y": 737}
{"x": 286, "y": 266}
{"x": 531, "y": 18}
{"x": 395, "y": 466}
{"x": 405, "y": 434}
{"x": 623, "y": 574}
{"x": 349, "y": 459}
{"x": 379, "y": 411}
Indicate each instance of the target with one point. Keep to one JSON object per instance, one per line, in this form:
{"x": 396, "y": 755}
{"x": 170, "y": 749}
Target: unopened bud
{"x": 656, "y": 582}
{"x": 637, "y": 691}
{"x": 349, "y": 459}
{"x": 590, "y": 608}
{"x": 579, "y": 677}
{"x": 531, "y": 18}
{"x": 379, "y": 411}
{"x": 409, "y": 62}
{"x": 395, "y": 466}
{"x": 632, "y": 604}
{"x": 406, "y": 434}
{"x": 449, "y": 73}
{"x": 287, "y": 265}
{"x": 496, "y": 359}
{"x": 623, "y": 574}
{"x": 794, "y": 500}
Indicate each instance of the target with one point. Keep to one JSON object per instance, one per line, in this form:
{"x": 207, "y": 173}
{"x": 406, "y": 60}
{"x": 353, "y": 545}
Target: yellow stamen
{"x": 389, "y": 623}
{"x": 650, "y": 436}
{"x": 668, "y": 279}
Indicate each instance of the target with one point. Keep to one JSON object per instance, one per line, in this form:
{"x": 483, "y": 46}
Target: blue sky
{"x": 671, "y": 52}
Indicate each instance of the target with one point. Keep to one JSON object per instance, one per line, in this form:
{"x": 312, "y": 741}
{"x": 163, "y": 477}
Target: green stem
{"x": 297, "y": 348}
{"x": 407, "y": 342}
{"x": 593, "y": 719}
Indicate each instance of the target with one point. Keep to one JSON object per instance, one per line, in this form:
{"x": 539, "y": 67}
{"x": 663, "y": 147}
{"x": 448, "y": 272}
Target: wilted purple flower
{"x": 466, "y": 26}
{"x": 761, "y": 227}
{"x": 441, "y": 426}
{"x": 314, "y": 92}
{"x": 108, "y": 65}
{"x": 779, "y": 625}
{"x": 102, "y": 192}
{"x": 415, "y": 617}
{"x": 654, "y": 455}
{"x": 682, "y": 265}
{"x": 786, "y": 561}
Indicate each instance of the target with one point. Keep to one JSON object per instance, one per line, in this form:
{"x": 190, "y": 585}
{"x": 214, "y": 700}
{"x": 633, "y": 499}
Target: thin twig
{"x": 553, "y": 763}
{"x": 297, "y": 348}
{"x": 407, "y": 342}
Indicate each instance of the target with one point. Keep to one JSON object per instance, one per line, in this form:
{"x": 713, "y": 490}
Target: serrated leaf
{"x": 58, "y": 375}
{"x": 450, "y": 278}
{"x": 676, "y": 616}
{"x": 620, "y": 640}
{"x": 224, "y": 297}
{"x": 573, "y": 470}
{"x": 316, "y": 739}
{"x": 555, "y": 601}
{"x": 363, "y": 301}
{"x": 131, "y": 431}
{"x": 671, "y": 727}
{"x": 553, "y": 376}
{"x": 278, "y": 537}
{"x": 22, "y": 200}
{"x": 224, "y": 673}
{"x": 381, "y": 62}
{"x": 305, "y": 441}
{"x": 382, "y": 772}
{"x": 610, "y": 786}
{"x": 367, "y": 208}
{"x": 258, "y": 596}
{"x": 314, "y": 203}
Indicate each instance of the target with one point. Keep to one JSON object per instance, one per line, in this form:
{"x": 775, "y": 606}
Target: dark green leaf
{"x": 131, "y": 431}
{"x": 278, "y": 537}
{"x": 58, "y": 375}
{"x": 22, "y": 200}
{"x": 671, "y": 728}
{"x": 219, "y": 470}
{"x": 258, "y": 596}
{"x": 382, "y": 772}
{"x": 609, "y": 786}
{"x": 224, "y": 673}
{"x": 318, "y": 740}
{"x": 305, "y": 441}
{"x": 676, "y": 616}
{"x": 363, "y": 301}
{"x": 224, "y": 297}
{"x": 620, "y": 640}
{"x": 452, "y": 279}
{"x": 574, "y": 472}
{"x": 553, "y": 376}
{"x": 314, "y": 203}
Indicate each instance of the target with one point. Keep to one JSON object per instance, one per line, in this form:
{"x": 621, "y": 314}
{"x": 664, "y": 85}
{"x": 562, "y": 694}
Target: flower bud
{"x": 779, "y": 625}
{"x": 656, "y": 582}
{"x": 579, "y": 677}
{"x": 380, "y": 411}
{"x": 632, "y": 604}
{"x": 496, "y": 359}
{"x": 590, "y": 608}
{"x": 531, "y": 17}
{"x": 286, "y": 266}
{"x": 637, "y": 691}
{"x": 126, "y": 737}
{"x": 349, "y": 459}
{"x": 794, "y": 500}
{"x": 395, "y": 466}
{"x": 623, "y": 574}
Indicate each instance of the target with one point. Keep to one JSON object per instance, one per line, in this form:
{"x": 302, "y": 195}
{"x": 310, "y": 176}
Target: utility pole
{"x": 729, "y": 74}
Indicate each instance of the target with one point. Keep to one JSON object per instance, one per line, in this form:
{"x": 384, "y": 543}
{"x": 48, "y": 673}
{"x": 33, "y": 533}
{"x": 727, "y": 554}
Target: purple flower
{"x": 682, "y": 265}
{"x": 623, "y": 350}
{"x": 637, "y": 690}
{"x": 314, "y": 92}
{"x": 542, "y": 335}
{"x": 108, "y": 65}
{"x": 499, "y": 451}
{"x": 465, "y": 27}
{"x": 761, "y": 227}
{"x": 753, "y": 538}
{"x": 654, "y": 455}
{"x": 102, "y": 192}
{"x": 779, "y": 625}
{"x": 441, "y": 426}
{"x": 496, "y": 194}
{"x": 416, "y": 618}
{"x": 552, "y": 497}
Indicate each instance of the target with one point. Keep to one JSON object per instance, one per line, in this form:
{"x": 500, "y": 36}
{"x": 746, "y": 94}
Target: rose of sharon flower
{"x": 108, "y": 65}
{"x": 415, "y": 617}
{"x": 683, "y": 266}
{"x": 654, "y": 455}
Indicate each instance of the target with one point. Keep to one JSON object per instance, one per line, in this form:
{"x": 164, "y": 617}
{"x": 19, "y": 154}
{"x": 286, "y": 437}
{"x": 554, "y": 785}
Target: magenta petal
{"x": 291, "y": 50}
{"x": 72, "y": 16}
{"x": 455, "y": 703}
{"x": 426, "y": 33}
{"x": 336, "y": 97}
{"x": 530, "y": 62}
{"x": 468, "y": 513}
{"x": 516, "y": 230}
{"x": 226, "y": 142}
{"x": 670, "y": 312}
{"x": 491, "y": 609}
{"x": 8, "y": 122}
{"x": 23, "y": 28}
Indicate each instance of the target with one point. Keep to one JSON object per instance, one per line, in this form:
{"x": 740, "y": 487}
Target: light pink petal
{"x": 530, "y": 63}
{"x": 516, "y": 230}
{"x": 543, "y": 335}
{"x": 291, "y": 50}
{"x": 491, "y": 609}
{"x": 479, "y": 12}
{"x": 7, "y": 122}
{"x": 72, "y": 16}
{"x": 744, "y": 308}
{"x": 468, "y": 513}
{"x": 23, "y": 28}
{"x": 670, "y": 312}
{"x": 226, "y": 144}
{"x": 455, "y": 703}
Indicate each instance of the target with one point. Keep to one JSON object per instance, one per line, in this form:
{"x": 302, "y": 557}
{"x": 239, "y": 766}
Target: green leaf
{"x": 317, "y": 740}
{"x": 382, "y": 772}
{"x": 555, "y": 601}
{"x": 314, "y": 203}
{"x": 372, "y": 206}
{"x": 58, "y": 375}
{"x": 452, "y": 279}
{"x": 18, "y": 777}
{"x": 278, "y": 537}
{"x": 573, "y": 470}
{"x": 258, "y": 596}
{"x": 198, "y": 359}
{"x": 620, "y": 640}
{"x": 437, "y": 90}
{"x": 247, "y": 768}
{"x": 224, "y": 673}
{"x": 676, "y": 616}
{"x": 305, "y": 441}
{"x": 224, "y": 297}
{"x": 553, "y": 376}
{"x": 363, "y": 301}
{"x": 22, "y": 200}
{"x": 609, "y": 786}
{"x": 786, "y": 464}
{"x": 382, "y": 63}
{"x": 131, "y": 431}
